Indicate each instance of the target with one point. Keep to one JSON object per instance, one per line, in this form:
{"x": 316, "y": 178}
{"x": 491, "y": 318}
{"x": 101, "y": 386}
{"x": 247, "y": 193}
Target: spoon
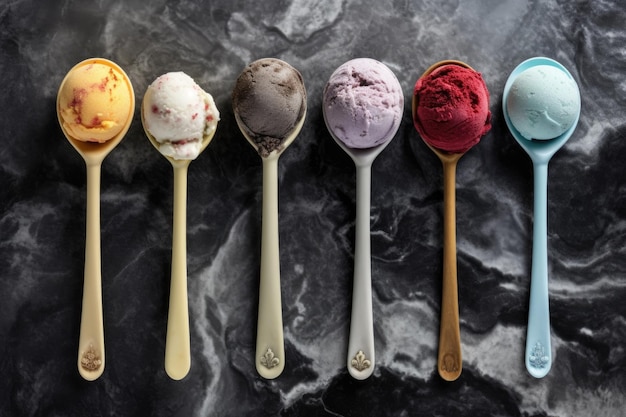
{"x": 177, "y": 343}
{"x": 91, "y": 358}
{"x": 362, "y": 108}
{"x": 270, "y": 103}
{"x": 449, "y": 359}
{"x": 538, "y": 357}
{"x": 270, "y": 346}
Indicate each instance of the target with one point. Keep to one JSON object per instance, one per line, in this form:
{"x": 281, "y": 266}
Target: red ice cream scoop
{"x": 451, "y": 107}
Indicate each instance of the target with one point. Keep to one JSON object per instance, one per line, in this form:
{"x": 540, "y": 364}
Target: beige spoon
{"x": 270, "y": 345}
{"x": 91, "y": 340}
{"x": 449, "y": 360}
{"x": 177, "y": 343}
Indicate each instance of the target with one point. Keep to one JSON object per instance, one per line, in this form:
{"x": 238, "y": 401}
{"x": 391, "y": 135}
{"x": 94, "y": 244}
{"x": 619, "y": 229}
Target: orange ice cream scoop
{"x": 95, "y": 100}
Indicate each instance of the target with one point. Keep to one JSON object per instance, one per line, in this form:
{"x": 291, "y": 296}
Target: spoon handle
{"x": 538, "y": 349}
{"x": 449, "y": 359}
{"x": 177, "y": 344}
{"x": 91, "y": 340}
{"x": 361, "y": 355}
{"x": 270, "y": 346}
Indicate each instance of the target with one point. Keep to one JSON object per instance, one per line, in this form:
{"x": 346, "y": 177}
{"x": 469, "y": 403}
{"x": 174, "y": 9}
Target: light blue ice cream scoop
{"x": 543, "y": 102}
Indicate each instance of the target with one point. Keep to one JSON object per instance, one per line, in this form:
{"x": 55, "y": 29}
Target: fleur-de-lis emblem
{"x": 538, "y": 357}
{"x": 90, "y": 360}
{"x": 449, "y": 363}
{"x": 360, "y": 362}
{"x": 269, "y": 360}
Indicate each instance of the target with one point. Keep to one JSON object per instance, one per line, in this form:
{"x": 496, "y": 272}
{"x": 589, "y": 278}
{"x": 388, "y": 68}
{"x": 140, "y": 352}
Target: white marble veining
{"x": 42, "y": 217}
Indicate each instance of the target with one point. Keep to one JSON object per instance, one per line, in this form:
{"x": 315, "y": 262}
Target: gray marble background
{"x": 42, "y": 217}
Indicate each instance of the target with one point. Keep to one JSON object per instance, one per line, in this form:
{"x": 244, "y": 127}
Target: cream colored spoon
{"x": 177, "y": 343}
{"x": 270, "y": 345}
{"x": 91, "y": 358}
{"x": 269, "y": 103}
{"x": 449, "y": 358}
{"x": 362, "y": 108}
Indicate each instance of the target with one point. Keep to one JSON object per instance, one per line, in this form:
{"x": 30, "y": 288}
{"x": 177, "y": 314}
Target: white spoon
{"x": 538, "y": 355}
{"x": 362, "y": 72}
{"x": 361, "y": 354}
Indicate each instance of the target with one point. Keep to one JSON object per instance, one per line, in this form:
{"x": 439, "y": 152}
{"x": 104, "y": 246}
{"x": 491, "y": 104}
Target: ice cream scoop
{"x": 362, "y": 106}
{"x": 95, "y": 106}
{"x": 543, "y": 102}
{"x": 180, "y": 120}
{"x": 535, "y": 94}
{"x": 269, "y": 102}
{"x": 451, "y": 112}
{"x": 363, "y": 103}
{"x": 95, "y": 101}
{"x": 451, "y": 107}
{"x": 179, "y": 115}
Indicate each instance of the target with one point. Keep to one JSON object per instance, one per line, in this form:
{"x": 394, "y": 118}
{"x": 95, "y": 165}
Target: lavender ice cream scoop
{"x": 363, "y": 103}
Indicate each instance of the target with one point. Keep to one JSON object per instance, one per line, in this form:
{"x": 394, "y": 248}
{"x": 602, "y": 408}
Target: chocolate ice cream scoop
{"x": 269, "y": 102}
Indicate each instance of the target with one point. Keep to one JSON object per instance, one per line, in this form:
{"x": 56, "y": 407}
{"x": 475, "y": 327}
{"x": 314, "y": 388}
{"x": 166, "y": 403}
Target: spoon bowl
{"x": 176, "y": 163}
{"x": 288, "y": 140}
{"x": 538, "y": 356}
{"x": 360, "y": 157}
{"x": 177, "y": 342}
{"x": 91, "y": 357}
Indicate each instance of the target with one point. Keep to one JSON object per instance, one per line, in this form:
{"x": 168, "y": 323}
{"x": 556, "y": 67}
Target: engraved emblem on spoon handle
{"x": 91, "y": 339}
{"x": 361, "y": 356}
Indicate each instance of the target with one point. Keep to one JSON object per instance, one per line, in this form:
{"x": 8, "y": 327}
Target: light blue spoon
{"x": 538, "y": 349}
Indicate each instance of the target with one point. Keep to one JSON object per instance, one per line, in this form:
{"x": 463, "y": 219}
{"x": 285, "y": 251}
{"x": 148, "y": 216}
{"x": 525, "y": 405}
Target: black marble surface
{"x": 42, "y": 217}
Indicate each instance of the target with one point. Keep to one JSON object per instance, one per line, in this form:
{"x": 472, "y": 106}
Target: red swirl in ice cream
{"x": 179, "y": 115}
{"x": 95, "y": 101}
{"x": 451, "y": 108}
